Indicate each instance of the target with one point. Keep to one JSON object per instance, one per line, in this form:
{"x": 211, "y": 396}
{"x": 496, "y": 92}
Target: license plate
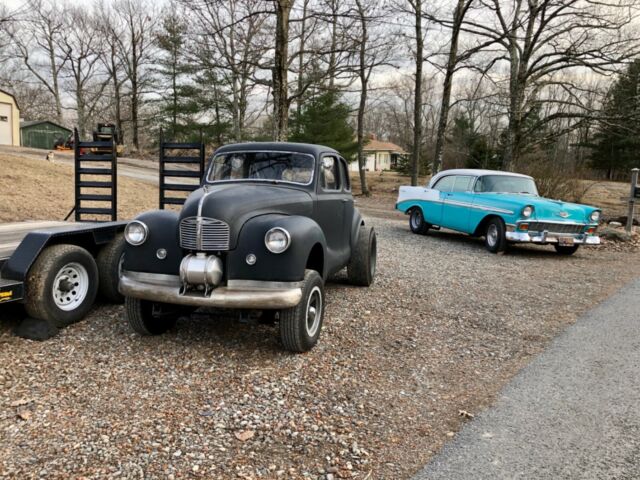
{"x": 565, "y": 241}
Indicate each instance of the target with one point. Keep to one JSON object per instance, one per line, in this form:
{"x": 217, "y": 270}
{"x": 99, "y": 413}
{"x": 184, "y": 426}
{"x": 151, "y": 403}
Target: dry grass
{"x": 38, "y": 190}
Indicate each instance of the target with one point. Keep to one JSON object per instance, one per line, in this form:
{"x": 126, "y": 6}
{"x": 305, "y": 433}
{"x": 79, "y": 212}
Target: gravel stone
{"x": 445, "y": 325}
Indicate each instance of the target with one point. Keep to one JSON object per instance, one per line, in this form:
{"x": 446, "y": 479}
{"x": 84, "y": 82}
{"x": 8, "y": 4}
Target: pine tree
{"x": 617, "y": 141}
{"x": 324, "y": 120}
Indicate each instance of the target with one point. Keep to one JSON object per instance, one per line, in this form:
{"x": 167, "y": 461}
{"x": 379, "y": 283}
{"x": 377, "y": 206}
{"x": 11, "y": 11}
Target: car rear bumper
{"x": 237, "y": 294}
{"x": 547, "y": 237}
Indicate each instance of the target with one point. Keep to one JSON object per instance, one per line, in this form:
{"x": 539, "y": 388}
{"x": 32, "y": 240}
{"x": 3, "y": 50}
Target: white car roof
{"x": 476, "y": 172}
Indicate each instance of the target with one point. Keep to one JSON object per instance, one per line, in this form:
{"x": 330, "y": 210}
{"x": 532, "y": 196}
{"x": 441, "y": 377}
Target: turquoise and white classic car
{"x": 501, "y": 206}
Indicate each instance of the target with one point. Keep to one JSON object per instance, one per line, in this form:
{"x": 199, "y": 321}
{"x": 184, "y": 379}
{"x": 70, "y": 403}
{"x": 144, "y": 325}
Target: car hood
{"x": 235, "y": 203}
{"x": 545, "y": 209}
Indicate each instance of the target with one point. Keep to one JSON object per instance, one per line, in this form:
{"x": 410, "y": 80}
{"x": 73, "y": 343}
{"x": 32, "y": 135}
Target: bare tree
{"x": 110, "y": 29}
{"x": 36, "y": 40}
{"x": 280, "y": 79}
{"x": 79, "y": 52}
{"x": 371, "y": 51}
{"x": 135, "y": 46}
{"x": 544, "y": 39}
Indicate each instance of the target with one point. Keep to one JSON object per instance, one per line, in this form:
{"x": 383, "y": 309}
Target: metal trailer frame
{"x": 171, "y": 167}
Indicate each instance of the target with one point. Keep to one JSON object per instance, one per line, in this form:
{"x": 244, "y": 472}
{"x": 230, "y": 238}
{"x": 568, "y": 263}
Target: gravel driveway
{"x": 445, "y": 326}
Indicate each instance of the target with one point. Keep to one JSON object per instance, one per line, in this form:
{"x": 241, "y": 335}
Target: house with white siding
{"x": 379, "y": 155}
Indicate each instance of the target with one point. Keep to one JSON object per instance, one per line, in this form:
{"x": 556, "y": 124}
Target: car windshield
{"x": 262, "y": 166}
{"x": 506, "y": 184}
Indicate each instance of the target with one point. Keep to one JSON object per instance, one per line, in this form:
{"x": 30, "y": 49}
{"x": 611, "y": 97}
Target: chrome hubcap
{"x": 416, "y": 219}
{"x": 492, "y": 235}
{"x": 314, "y": 311}
{"x": 70, "y": 286}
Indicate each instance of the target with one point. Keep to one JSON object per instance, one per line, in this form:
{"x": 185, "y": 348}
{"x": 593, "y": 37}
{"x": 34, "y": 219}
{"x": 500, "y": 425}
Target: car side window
{"x": 445, "y": 184}
{"x": 346, "y": 181}
{"x": 479, "y": 186}
{"x": 462, "y": 183}
{"x": 329, "y": 174}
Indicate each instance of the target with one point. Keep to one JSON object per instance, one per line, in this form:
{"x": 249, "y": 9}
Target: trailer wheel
{"x": 109, "y": 263}
{"x": 61, "y": 285}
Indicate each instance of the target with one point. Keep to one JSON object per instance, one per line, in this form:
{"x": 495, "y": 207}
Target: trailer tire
{"x": 61, "y": 285}
{"x": 109, "y": 262}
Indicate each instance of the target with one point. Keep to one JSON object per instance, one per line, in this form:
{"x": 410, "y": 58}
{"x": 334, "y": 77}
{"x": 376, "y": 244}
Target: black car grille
{"x": 570, "y": 228}
{"x": 204, "y": 234}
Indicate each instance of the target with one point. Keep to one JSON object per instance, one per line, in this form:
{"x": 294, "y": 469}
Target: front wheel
{"x": 150, "y": 318}
{"x": 62, "y": 284}
{"x": 417, "y": 223}
{"x": 300, "y": 326}
{"x": 495, "y": 239}
{"x": 566, "y": 249}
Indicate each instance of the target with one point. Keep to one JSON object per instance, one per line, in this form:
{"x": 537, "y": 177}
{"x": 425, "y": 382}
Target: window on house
{"x": 4, "y": 118}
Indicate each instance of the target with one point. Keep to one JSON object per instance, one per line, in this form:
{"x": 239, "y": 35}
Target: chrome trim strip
{"x": 479, "y": 207}
{"x": 559, "y": 222}
{"x": 251, "y": 284}
{"x": 222, "y": 297}
{"x": 523, "y": 237}
{"x": 154, "y": 278}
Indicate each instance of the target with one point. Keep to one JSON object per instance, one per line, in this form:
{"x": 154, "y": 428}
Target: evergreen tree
{"x": 324, "y": 120}
{"x": 617, "y": 141}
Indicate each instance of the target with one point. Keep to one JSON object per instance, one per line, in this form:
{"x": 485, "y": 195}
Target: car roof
{"x": 476, "y": 172}
{"x": 277, "y": 147}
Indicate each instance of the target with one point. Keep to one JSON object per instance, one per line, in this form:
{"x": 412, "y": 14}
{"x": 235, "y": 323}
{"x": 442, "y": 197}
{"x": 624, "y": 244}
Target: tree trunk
{"x": 303, "y": 28}
{"x": 417, "y": 105}
{"x": 362, "y": 71}
{"x": 445, "y": 104}
{"x": 280, "y": 71}
{"x": 331, "y": 71}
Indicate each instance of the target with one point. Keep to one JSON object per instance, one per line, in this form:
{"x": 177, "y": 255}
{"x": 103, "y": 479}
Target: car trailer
{"x": 58, "y": 268}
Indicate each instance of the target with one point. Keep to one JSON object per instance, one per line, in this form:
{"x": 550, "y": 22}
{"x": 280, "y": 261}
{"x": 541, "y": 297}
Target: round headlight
{"x": 595, "y": 216}
{"x": 277, "y": 240}
{"x": 135, "y": 233}
{"x": 527, "y": 211}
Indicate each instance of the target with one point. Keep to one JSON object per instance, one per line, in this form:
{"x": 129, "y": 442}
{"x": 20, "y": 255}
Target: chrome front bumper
{"x": 547, "y": 237}
{"x": 237, "y": 294}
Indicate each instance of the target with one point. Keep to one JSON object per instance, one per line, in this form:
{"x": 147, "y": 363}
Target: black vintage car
{"x": 270, "y": 223}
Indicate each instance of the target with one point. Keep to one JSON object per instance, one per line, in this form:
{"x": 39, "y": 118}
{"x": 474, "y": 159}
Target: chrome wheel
{"x": 314, "y": 311}
{"x": 70, "y": 286}
{"x": 416, "y": 219}
{"x": 492, "y": 235}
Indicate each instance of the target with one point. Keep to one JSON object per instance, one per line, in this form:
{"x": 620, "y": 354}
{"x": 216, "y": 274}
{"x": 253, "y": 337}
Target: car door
{"x": 458, "y": 203}
{"x": 348, "y": 202}
{"x": 330, "y": 208}
{"x": 432, "y": 211}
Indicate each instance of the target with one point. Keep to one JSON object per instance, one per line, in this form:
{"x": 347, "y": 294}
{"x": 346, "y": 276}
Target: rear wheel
{"x": 495, "y": 239}
{"x": 62, "y": 284}
{"x": 566, "y": 249}
{"x": 150, "y": 318}
{"x": 361, "y": 269}
{"x": 300, "y": 326}
{"x": 417, "y": 222}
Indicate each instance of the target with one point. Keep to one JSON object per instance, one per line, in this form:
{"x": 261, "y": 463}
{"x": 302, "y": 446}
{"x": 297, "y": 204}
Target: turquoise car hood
{"x": 545, "y": 209}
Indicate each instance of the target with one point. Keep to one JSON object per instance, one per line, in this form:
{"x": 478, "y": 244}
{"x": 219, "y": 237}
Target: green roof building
{"x": 41, "y": 134}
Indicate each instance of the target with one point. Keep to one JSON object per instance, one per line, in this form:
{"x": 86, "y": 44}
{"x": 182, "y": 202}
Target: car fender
{"x": 356, "y": 222}
{"x": 288, "y": 266}
{"x": 163, "y": 232}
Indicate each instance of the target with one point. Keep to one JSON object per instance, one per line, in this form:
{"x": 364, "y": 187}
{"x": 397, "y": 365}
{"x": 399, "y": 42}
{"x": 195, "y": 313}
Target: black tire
{"x": 150, "y": 318}
{"x": 361, "y": 269}
{"x": 566, "y": 249}
{"x": 74, "y": 273}
{"x": 495, "y": 239}
{"x": 296, "y": 332}
{"x": 109, "y": 263}
{"x": 416, "y": 221}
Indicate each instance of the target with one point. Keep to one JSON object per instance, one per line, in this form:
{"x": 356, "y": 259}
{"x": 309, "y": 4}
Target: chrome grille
{"x": 570, "y": 228}
{"x": 204, "y": 234}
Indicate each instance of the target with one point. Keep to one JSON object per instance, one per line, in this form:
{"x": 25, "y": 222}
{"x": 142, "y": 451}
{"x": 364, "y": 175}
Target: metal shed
{"x": 9, "y": 118}
{"x": 41, "y": 134}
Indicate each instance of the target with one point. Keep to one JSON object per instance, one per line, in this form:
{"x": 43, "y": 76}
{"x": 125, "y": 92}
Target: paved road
{"x": 573, "y": 413}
